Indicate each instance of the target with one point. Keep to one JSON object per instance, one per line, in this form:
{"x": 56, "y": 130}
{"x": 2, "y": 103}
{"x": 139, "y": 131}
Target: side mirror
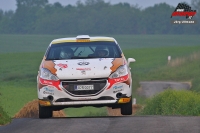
{"x": 130, "y": 60}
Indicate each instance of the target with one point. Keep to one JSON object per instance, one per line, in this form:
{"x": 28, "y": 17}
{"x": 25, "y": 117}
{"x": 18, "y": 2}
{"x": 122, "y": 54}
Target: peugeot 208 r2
{"x": 84, "y": 71}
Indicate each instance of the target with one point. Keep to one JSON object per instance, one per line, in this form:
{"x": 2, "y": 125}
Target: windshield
{"x": 81, "y": 50}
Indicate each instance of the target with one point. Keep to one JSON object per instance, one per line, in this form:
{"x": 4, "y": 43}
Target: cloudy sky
{"x": 11, "y": 4}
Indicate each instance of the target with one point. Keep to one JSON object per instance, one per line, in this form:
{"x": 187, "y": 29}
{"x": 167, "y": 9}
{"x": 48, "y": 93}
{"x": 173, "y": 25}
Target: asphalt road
{"x": 121, "y": 124}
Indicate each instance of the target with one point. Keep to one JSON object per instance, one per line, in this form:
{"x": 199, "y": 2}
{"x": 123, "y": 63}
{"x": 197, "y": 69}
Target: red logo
{"x": 62, "y": 65}
{"x": 86, "y": 69}
{"x": 50, "y": 82}
{"x": 184, "y": 10}
{"x": 117, "y": 80}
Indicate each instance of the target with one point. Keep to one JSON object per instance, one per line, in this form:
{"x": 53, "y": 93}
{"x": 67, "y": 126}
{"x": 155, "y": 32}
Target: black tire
{"x": 45, "y": 112}
{"x": 126, "y": 109}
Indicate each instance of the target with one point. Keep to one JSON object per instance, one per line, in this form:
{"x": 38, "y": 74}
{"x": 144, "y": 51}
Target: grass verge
{"x": 172, "y": 102}
{"x": 4, "y": 117}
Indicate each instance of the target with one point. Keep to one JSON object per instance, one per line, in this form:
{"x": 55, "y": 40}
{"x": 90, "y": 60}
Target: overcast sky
{"x": 11, "y": 4}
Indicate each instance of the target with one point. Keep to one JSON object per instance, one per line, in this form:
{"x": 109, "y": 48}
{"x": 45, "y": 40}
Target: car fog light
{"x": 44, "y": 103}
{"x": 124, "y": 100}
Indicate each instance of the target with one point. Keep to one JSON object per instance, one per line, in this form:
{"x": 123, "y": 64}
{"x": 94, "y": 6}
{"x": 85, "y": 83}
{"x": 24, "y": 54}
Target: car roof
{"x": 83, "y": 38}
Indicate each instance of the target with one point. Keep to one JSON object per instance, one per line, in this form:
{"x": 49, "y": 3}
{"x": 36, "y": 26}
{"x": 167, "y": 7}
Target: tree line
{"x": 93, "y": 17}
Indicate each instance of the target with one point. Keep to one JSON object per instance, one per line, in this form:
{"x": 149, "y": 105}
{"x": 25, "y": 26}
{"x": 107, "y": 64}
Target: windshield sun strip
{"x": 91, "y": 40}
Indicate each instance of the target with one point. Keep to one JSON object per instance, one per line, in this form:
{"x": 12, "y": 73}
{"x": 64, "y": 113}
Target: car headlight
{"x": 46, "y": 74}
{"x": 121, "y": 71}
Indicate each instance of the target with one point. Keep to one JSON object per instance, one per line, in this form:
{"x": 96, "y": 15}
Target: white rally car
{"x": 84, "y": 71}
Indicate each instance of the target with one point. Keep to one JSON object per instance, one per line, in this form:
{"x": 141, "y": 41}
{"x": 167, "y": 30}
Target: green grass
{"x": 171, "y": 102}
{"x": 18, "y": 80}
{"x": 20, "y": 56}
{"x": 25, "y": 43}
{"x": 152, "y": 63}
{"x": 155, "y": 41}
{"x": 39, "y": 43}
{"x": 4, "y": 118}
{"x": 187, "y": 71}
{"x": 14, "y": 95}
{"x": 153, "y": 58}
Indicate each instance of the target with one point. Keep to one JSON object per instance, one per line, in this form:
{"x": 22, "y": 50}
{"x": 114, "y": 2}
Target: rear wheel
{"x": 126, "y": 109}
{"x": 45, "y": 112}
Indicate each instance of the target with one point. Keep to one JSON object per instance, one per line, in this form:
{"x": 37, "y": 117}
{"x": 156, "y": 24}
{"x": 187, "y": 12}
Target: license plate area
{"x": 83, "y": 87}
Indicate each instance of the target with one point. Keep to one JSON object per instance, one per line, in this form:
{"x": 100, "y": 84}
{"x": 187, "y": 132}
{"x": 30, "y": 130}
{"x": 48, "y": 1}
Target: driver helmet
{"x": 66, "y": 53}
{"x": 101, "y": 51}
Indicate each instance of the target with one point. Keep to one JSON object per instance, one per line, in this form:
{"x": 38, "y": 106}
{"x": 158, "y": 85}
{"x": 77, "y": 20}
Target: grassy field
{"x": 171, "y": 102}
{"x": 39, "y": 43}
{"x": 152, "y": 64}
{"x": 20, "y": 56}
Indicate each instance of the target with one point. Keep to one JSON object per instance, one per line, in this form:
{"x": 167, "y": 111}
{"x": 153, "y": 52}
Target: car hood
{"x": 83, "y": 68}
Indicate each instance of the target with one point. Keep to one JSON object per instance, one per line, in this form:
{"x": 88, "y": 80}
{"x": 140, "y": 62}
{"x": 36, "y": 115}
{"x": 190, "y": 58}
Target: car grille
{"x": 99, "y": 85}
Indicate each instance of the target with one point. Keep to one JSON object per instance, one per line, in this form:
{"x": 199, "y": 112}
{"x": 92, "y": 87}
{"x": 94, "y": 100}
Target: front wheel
{"x": 126, "y": 109}
{"x": 45, "y": 112}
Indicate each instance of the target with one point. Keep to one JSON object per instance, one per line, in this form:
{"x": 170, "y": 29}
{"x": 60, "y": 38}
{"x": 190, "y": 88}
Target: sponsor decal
{"x": 83, "y": 63}
{"x": 118, "y": 87}
{"x": 49, "y": 93}
{"x": 118, "y": 90}
{"x": 47, "y": 89}
{"x": 62, "y": 65}
{"x": 83, "y": 72}
{"x": 85, "y": 69}
{"x": 56, "y": 84}
{"x": 117, "y": 80}
{"x": 47, "y": 82}
{"x": 100, "y": 59}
